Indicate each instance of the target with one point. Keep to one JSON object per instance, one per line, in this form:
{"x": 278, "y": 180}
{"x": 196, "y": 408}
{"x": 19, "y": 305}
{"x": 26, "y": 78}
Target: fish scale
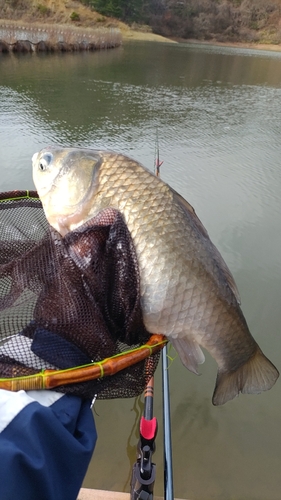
{"x": 187, "y": 291}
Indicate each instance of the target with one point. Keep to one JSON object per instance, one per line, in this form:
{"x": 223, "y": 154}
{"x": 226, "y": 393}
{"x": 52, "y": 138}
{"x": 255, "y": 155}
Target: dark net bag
{"x": 69, "y": 301}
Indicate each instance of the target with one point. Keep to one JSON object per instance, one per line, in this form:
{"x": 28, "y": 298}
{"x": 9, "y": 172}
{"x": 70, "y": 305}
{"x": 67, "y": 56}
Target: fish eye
{"x": 45, "y": 161}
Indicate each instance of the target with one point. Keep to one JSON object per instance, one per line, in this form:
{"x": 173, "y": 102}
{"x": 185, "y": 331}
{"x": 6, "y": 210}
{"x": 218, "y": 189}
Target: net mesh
{"x": 68, "y": 301}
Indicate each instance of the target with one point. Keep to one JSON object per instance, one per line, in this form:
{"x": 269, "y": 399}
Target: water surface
{"x": 218, "y": 115}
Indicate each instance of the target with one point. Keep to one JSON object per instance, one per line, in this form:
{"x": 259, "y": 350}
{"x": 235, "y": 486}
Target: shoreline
{"x": 128, "y": 34}
{"x": 145, "y": 36}
{"x": 236, "y": 45}
{"x": 150, "y": 37}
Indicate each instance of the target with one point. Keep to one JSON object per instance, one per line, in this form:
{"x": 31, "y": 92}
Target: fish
{"x": 187, "y": 291}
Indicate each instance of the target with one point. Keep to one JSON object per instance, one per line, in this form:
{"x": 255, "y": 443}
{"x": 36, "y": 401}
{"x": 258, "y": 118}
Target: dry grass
{"x": 55, "y": 12}
{"x": 61, "y": 12}
{"x": 34, "y": 19}
{"x": 56, "y": 21}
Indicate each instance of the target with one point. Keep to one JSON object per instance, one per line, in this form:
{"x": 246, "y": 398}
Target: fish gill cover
{"x": 68, "y": 301}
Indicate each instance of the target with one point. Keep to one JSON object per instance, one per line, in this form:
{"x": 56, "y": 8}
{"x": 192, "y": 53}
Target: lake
{"x": 217, "y": 113}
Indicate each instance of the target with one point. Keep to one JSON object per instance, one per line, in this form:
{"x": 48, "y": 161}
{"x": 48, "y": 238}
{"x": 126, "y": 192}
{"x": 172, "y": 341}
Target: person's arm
{"x": 46, "y": 443}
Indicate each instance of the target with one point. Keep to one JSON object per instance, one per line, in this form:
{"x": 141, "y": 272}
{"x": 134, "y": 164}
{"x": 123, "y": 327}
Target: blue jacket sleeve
{"x": 45, "y": 445}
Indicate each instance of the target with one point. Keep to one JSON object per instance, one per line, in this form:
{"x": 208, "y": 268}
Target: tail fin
{"x": 256, "y": 375}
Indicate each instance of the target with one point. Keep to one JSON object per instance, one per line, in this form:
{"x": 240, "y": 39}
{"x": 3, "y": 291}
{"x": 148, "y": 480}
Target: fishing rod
{"x": 158, "y": 163}
{"x": 167, "y": 439}
{"x": 144, "y": 470}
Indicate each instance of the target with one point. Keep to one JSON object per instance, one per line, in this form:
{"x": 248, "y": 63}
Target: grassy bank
{"x": 73, "y": 16}
{"x": 62, "y": 23}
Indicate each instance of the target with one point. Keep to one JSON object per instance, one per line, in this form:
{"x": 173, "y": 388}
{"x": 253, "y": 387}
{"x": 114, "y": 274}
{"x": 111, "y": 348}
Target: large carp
{"x": 187, "y": 291}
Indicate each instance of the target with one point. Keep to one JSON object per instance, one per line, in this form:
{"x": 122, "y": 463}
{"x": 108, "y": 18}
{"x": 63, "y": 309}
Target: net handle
{"x": 49, "y": 379}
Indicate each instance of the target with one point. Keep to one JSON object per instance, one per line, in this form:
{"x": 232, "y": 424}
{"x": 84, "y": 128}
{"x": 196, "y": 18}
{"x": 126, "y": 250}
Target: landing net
{"x": 69, "y": 301}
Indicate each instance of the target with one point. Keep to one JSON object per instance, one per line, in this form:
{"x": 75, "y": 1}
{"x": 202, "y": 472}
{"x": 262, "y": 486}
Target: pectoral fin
{"x": 189, "y": 352}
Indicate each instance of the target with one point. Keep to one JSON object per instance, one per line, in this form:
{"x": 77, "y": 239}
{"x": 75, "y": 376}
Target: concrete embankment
{"x": 56, "y": 39}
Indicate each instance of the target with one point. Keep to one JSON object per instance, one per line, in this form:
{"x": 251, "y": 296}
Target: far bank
{"x": 125, "y": 34}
